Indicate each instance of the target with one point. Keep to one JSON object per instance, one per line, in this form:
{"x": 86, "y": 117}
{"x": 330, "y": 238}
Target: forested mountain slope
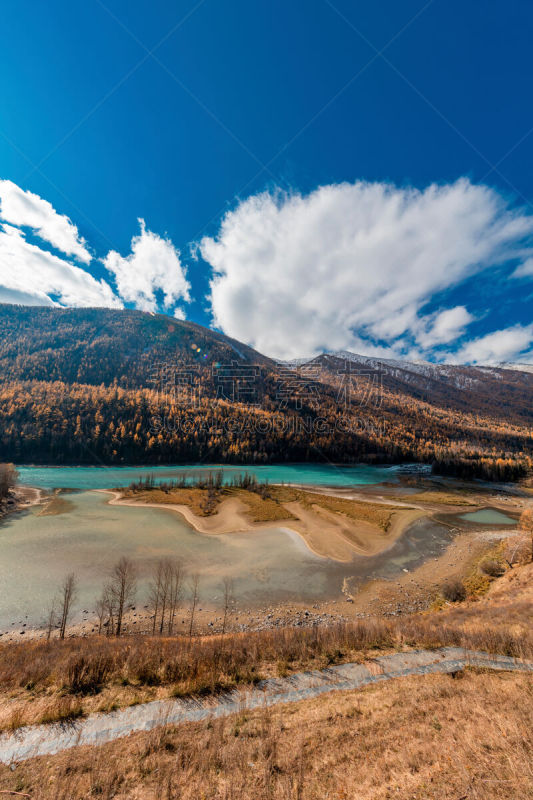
{"x": 96, "y": 385}
{"x": 494, "y": 391}
{"x": 95, "y": 345}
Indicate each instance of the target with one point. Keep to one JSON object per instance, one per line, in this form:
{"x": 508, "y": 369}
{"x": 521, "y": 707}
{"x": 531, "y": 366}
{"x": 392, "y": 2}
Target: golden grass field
{"x": 421, "y": 738}
{"x": 438, "y": 498}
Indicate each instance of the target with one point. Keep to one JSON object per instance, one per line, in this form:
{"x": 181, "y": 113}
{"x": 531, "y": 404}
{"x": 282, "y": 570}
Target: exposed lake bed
{"x": 273, "y": 569}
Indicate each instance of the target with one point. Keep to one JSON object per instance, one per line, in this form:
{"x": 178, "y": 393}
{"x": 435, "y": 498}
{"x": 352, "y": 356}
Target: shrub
{"x": 491, "y": 567}
{"x": 85, "y": 676}
{"x": 454, "y": 590}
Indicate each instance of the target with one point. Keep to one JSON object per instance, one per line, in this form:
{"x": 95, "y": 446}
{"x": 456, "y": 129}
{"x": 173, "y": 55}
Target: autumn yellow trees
{"x": 54, "y": 422}
{"x": 86, "y": 386}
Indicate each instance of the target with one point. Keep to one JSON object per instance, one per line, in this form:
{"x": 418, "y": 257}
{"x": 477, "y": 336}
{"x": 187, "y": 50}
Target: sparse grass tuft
{"x": 62, "y": 709}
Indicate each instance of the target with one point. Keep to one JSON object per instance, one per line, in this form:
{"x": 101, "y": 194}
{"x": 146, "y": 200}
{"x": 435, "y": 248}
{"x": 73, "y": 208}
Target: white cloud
{"x": 26, "y": 209}
{"x": 350, "y": 266}
{"x": 444, "y": 327}
{"x": 21, "y": 297}
{"x": 34, "y": 276}
{"x": 525, "y": 270}
{"x": 493, "y": 348}
{"x": 154, "y": 264}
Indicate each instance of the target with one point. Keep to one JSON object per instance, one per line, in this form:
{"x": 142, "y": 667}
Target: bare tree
{"x": 102, "y": 609}
{"x": 109, "y": 601}
{"x": 51, "y": 620}
{"x": 165, "y": 593}
{"x": 175, "y": 589}
{"x": 229, "y": 601}
{"x": 68, "y": 595}
{"x": 8, "y": 479}
{"x": 195, "y": 581}
{"x": 123, "y": 586}
{"x": 165, "y": 580}
{"x": 156, "y": 590}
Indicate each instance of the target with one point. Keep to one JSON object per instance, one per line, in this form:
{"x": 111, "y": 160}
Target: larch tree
{"x": 68, "y": 595}
{"x": 123, "y": 588}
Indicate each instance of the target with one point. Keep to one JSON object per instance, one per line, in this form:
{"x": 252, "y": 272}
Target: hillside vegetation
{"x": 92, "y": 386}
{"x": 467, "y": 737}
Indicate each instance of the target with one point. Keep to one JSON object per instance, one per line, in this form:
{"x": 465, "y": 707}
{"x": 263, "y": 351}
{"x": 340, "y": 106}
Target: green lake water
{"x": 488, "y": 516}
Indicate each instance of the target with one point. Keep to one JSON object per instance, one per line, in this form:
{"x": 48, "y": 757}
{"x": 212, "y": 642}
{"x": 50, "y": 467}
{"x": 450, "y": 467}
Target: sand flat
{"x": 326, "y": 533}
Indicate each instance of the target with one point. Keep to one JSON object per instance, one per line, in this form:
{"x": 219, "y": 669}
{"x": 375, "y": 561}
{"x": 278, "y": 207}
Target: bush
{"x": 86, "y": 676}
{"x": 491, "y": 567}
{"x": 454, "y": 590}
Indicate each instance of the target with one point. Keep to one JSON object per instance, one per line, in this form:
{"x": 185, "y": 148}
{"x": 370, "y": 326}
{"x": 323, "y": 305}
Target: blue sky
{"x": 317, "y": 127}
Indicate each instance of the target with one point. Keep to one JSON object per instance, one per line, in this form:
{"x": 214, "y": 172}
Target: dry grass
{"x": 103, "y": 673}
{"x": 267, "y": 505}
{"x": 436, "y": 498}
{"x": 195, "y": 499}
{"x": 419, "y": 738}
{"x": 261, "y": 509}
{"x": 505, "y": 608}
{"x": 374, "y": 513}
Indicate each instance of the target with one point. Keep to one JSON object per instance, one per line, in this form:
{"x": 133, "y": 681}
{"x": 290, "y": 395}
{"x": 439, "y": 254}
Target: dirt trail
{"x": 100, "y": 728}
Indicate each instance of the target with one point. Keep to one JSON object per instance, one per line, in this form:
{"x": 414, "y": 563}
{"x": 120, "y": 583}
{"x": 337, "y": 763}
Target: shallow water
{"x": 111, "y": 477}
{"x": 488, "y": 516}
{"x": 268, "y": 566}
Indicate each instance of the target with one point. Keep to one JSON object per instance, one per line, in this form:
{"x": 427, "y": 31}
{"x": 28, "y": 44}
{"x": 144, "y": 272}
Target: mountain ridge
{"x": 122, "y": 386}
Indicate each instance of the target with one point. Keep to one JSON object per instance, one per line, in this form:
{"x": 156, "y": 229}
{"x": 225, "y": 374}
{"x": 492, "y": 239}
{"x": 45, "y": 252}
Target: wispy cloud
{"x": 26, "y": 209}
{"x": 31, "y": 275}
{"x": 509, "y": 344}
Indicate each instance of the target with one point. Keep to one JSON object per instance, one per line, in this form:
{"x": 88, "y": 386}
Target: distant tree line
{"x": 488, "y": 469}
{"x": 56, "y": 423}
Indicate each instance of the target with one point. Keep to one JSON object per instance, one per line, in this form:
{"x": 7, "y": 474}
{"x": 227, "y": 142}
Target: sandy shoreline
{"x": 325, "y": 534}
{"x": 22, "y": 497}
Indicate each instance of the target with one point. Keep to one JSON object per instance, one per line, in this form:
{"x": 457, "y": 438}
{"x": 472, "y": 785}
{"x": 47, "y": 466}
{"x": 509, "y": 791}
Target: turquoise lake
{"x": 110, "y": 477}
